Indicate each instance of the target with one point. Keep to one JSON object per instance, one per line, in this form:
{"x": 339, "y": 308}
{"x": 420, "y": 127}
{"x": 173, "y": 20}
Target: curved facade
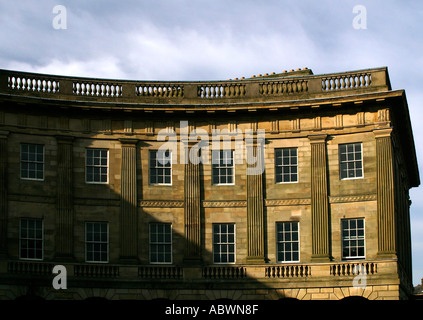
{"x": 289, "y": 185}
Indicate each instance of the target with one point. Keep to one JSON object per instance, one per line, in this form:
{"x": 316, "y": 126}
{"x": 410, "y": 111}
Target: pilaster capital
{"x": 64, "y": 139}
{"x": 317, "y": 138}
{"x": 128, "y": 142}
{"x": 383, "y": 132}
{"x": 4, "y": 134}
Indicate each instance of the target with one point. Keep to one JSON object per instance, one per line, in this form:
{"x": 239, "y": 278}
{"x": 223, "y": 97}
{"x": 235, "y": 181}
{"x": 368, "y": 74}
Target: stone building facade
{"x": 289, "y": 185}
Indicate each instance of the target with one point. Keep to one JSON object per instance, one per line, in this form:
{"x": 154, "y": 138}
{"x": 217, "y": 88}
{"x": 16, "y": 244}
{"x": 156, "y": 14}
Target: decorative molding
{"x": 149, "y": 128}
{"x": 355, "y": 198}
{"x": 286, "y": 202}
{"x": 162, "y": 203}
{"x": 128, "y": 127}
{"x": 361, "y": 121}
{"x": 295, "y": 125}
{"x": 224, "y": 204}
{"x": 339, "y": 123}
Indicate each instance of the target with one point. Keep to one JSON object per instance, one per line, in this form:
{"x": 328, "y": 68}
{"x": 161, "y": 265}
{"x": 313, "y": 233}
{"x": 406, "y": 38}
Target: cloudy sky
{"x": 222, "y": 39}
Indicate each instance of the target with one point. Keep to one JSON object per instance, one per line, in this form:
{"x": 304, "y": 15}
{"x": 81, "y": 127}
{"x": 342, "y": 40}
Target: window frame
{"x": 284, "y": 166}
{"x": 21, "y": 161}
{"x": 21, "y": 239}
{"x": 150, "y": 152}
{"x": 87, "y": 242}
{"x": 340, "y": 162}
{"x": 163, "y": 243}
{"x": 96, "y": 166}
{"x": 356, "y": 238}
{"x": 213, "y": 167}
{"x": 226, "y": 244}
{"x": 283, "y": 242}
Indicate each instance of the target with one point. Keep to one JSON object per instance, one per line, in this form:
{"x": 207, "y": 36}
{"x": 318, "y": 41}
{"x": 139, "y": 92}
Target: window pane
{"x": 160, "y": 243}
{"x": 353, "y": 243}
{"x": 286, "y": 166}
{"x": 224, "y": 243}
{"x": 350, "y": 161}
{"x": 96, "y": 241}
{"x": 222, "y": 167}
{"x": 96, "y": 165}
{"x": 287, "y": 241}
{"x": 31, "y": 239}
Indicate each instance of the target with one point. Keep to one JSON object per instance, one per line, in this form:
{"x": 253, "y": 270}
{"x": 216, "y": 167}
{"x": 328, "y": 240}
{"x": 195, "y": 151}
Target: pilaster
{"x": 385, "y": 193}
{"x": 319, "y": 199}
{"x": 128, "y": 201}
{"x": 64, "y": 204}
{"x": 255, "y": 202}
{"x": 3, "y": 193}
{"x": 192, "y": 208}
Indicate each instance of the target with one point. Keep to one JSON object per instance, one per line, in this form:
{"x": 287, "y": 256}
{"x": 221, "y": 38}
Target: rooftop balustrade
{"x": 256, "y": 89}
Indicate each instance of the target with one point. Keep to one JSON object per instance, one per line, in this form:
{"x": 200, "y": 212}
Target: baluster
{"x": 331, "y": 84}
{"x": 299, "y": 86}
{"x": 231, "y": 90}
{"x": 353, "y": 81}
{"x": 237, "y": 86}
{"x": 225, "y": 91}
{"x": 278, "y": 87}
{"x": 264, "y": 88}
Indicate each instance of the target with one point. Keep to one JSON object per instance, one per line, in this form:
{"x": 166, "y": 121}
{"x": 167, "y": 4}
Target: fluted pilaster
{"x": 3, "y": 193}
{"x": 128, "y": 201}
{"x": 319, "y": 198}
{"x": 385, "y": 193}
{"x": 192, "y": 209}
{"x": 64, "y": 204}
{"x": 255, "y": 202}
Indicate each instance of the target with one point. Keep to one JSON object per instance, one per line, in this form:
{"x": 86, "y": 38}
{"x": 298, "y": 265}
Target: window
{"x": 96, "y": 242}
{"x": 287, "y": 242}
{"x": 350, "y": 161}
{"x": 286, "y": 165}
{"x": 352, "y": 238}
{"x": 31, "y": 239}
{"x": 224, "y": 243}
{"x": 96, "y": 166}
{"x": 160, "y": 243}
{"x": 223, "y": 166}
{"x": 32, "y": 161}
{"x": 160, "y": 167}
